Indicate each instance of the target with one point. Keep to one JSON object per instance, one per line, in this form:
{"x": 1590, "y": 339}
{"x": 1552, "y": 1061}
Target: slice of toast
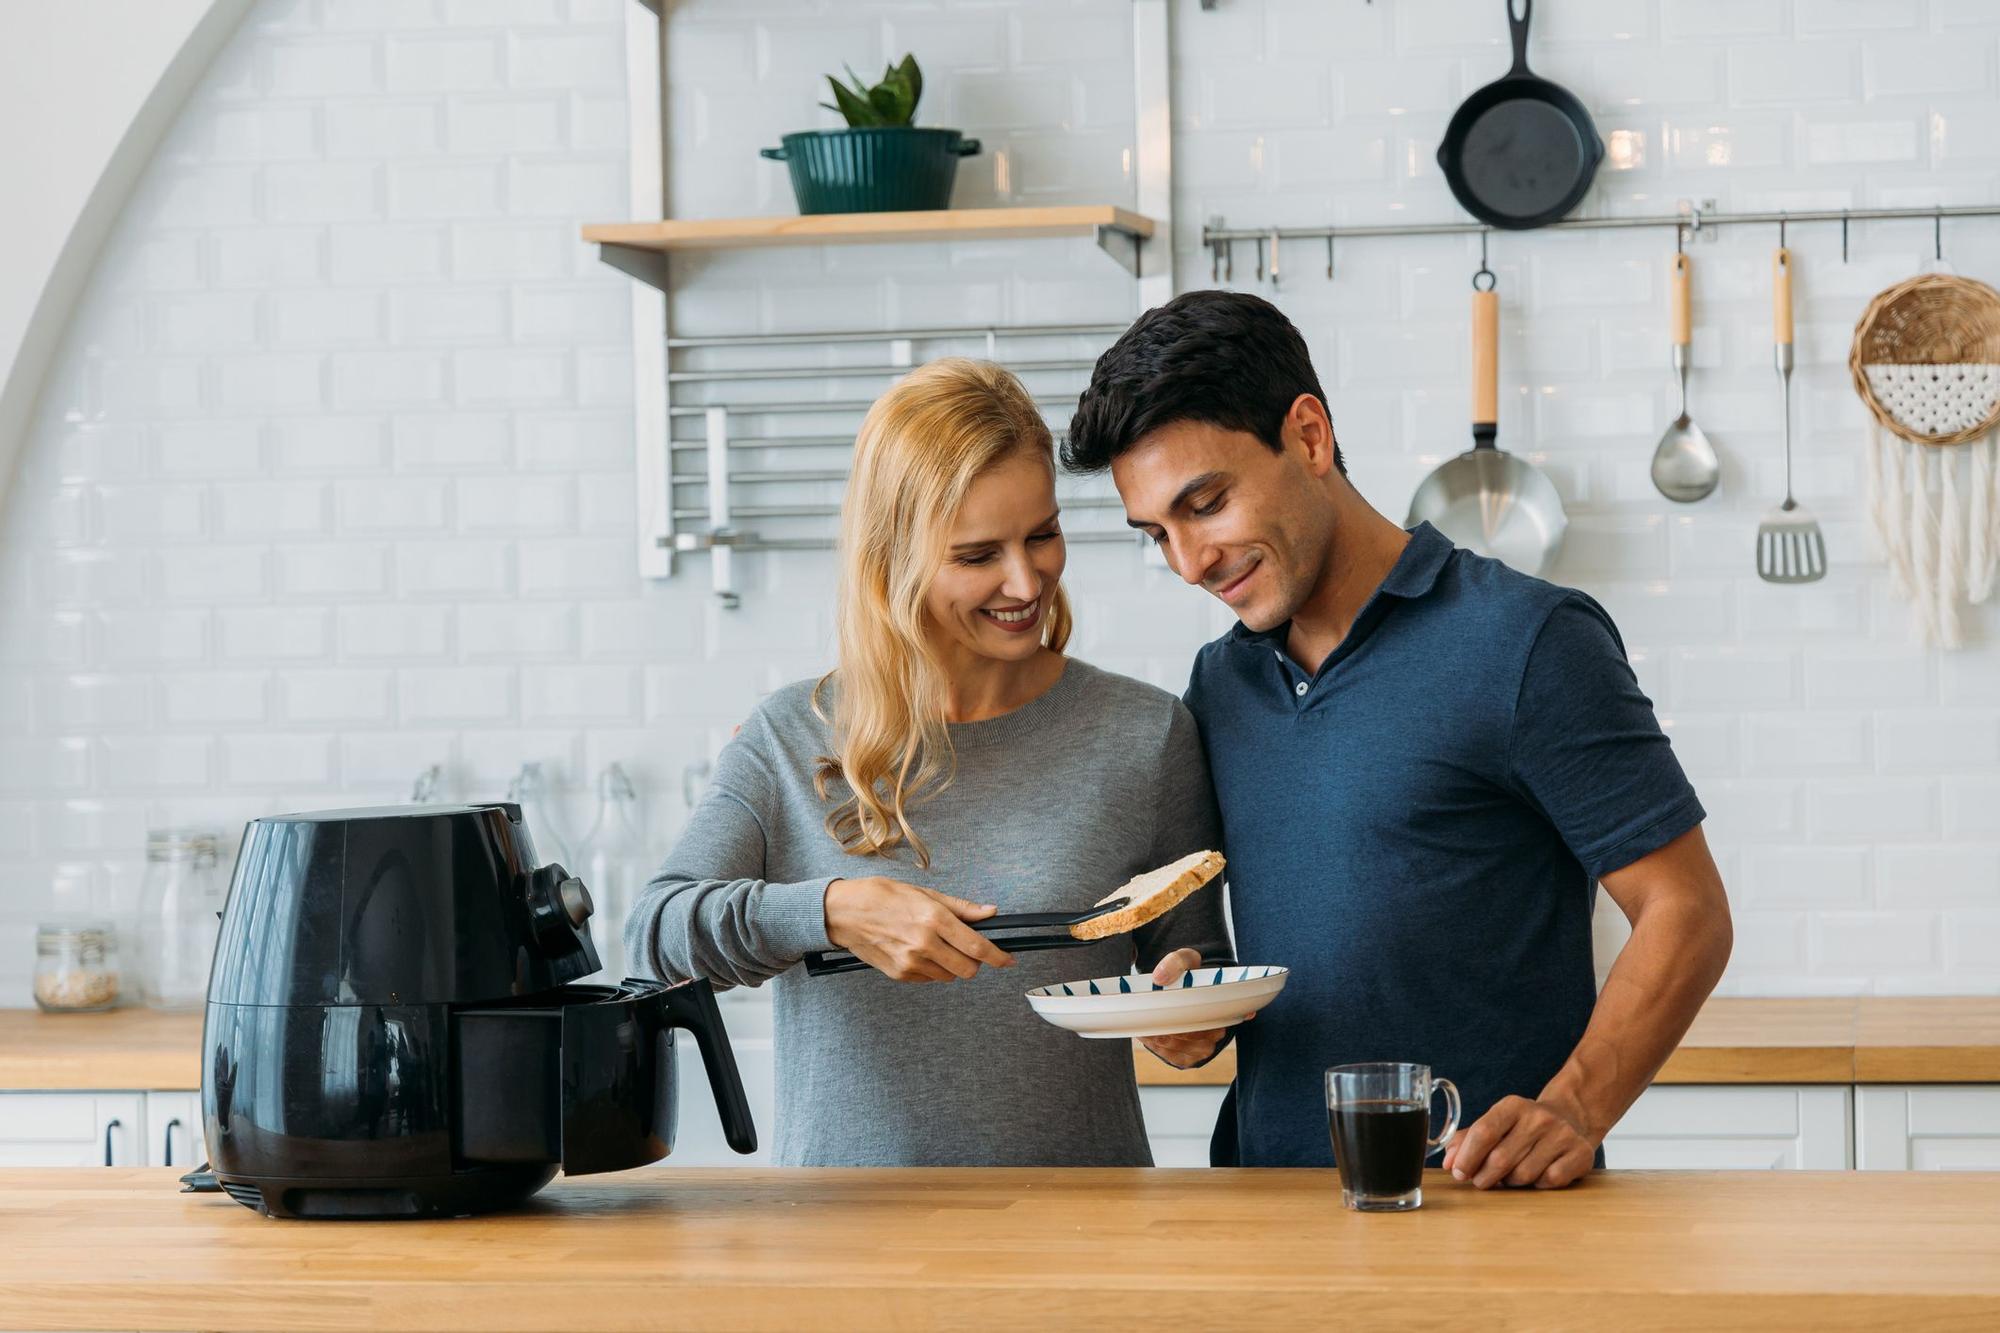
{"x": 1153, "y": 894}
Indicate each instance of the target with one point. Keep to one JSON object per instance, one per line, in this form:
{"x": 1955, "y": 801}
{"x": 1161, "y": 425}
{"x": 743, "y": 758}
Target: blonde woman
{"x": 954, "y": 764}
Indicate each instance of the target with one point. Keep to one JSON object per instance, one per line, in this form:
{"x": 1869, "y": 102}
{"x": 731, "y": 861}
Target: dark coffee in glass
{"x": 1380, "y": 1119}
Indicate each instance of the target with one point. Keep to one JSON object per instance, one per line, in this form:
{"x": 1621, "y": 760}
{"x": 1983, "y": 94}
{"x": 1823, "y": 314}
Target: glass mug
{"x": 1380, "y": 1119}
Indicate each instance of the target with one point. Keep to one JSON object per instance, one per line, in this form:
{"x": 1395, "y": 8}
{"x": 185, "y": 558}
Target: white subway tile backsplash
{"x": 93, "y": 703}
{"x": 332, "y": 569}
{"x": 136, "y": 762}
{"x": 319, "y": 318}
{"x": 440, "y": 64}
{"x": 382, "y": 128}
{"x": 370, "y": 380}
{"x": 1965, "y": 741}
{"x": 268, "y": 760}
{"x": 277, "y": 382}
{"x": 390, "y": 253}
{"x": 344, "y": 695}
{"x": 320, "y": 68}
{"x": 213, "y": 574}
{"x": 516, "y": 505}
{"x": 414, "y": 505}
{"x": 503, "y": 630}
{"x": 254, "y": 509}
{"x": 141, "y": 635}
{"x": 1816, "y": 743}
{"x": 330, "y": 444}
{"x": 273, "y": 633}
{"x": 323, "y": 192}
{"x": 1816, "y": 878}
{"x": 579, "y": 693}
{"x": 455, "y": 314}
{"x": 589, "y": 60}
{"x": 215, "y": 698}
{"x": 505, "y": 376}
{"x": 456, "y": 694}
{"x": 1966, "y": 875}
{"x": 449, "y": 569}
{"x": 1865, "y": 943}
{"x": 392, "y": 633}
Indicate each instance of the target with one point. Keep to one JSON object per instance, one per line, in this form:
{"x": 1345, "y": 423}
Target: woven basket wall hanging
{"x": 1926, "y": 361}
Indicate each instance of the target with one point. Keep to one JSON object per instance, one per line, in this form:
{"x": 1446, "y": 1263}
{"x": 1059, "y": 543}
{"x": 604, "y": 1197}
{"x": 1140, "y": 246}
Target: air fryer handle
{"x": 691, "y": 1005}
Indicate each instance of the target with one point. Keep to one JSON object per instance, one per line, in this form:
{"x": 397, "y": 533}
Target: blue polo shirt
{"x": 1416, "y": 830}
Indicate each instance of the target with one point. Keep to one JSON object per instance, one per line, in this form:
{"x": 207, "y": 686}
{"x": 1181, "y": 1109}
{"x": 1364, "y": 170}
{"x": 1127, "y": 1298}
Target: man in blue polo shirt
{"x": 1425, "y": 762}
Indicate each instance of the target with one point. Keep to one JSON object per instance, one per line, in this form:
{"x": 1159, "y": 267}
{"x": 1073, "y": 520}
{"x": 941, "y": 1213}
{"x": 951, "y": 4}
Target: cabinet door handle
{"x": 172, "y": 1125}
{"x": 110, "y": 1125}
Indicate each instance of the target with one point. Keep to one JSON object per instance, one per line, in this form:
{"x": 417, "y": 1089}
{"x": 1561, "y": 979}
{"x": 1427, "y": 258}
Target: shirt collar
{"x": 1415, "y": 573}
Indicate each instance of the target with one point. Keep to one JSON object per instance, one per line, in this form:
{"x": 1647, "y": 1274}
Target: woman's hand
{"x": 907, "y": 932}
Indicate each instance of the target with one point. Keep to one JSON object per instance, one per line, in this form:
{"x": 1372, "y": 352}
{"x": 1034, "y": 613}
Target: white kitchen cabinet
{"x": 1708, "y": 1127}
{"x": 72, "y": 1128}
{"x": 173, "y": 1130}
{"x": 1927, "y": 1128}
{"x": 1179, "y": 1120}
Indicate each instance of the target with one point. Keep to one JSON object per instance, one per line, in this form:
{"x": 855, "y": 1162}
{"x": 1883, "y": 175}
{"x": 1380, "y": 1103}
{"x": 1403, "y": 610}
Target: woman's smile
{"x": 1020, "y": 619}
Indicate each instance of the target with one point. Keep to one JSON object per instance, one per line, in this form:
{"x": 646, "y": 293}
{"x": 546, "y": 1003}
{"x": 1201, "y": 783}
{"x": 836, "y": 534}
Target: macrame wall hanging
{"x": 1926, "y": 360}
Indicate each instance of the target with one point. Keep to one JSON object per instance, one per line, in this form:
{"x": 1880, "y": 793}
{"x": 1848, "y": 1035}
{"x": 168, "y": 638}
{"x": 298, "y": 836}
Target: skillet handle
{"x": 1517, "y": 29}
{"x": 1485, "y": 367}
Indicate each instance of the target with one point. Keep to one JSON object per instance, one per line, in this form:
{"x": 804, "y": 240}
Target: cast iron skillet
{"x": 1521, "y": 151}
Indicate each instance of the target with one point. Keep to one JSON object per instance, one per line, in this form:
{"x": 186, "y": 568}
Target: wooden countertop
{"x": 748, "y": 1249}
{"x": 1864, "y": 1039}
{"x": 1870, "y": 1039}
{"x": 133, "y": 1049}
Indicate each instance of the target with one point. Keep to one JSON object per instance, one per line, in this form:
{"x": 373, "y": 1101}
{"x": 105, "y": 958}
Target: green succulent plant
{"x": 891, "y": 102}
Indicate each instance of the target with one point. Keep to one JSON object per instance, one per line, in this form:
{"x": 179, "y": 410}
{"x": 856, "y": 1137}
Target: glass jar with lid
{"x": 179, "y": 916}
{"x": 76, "y": 966}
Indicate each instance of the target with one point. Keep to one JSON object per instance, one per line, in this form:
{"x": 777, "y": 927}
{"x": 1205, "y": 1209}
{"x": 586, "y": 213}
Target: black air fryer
{"x": 392, "y": 1028}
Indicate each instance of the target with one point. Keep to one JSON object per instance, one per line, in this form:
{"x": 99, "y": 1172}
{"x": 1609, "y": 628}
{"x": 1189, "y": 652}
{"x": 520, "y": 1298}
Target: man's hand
{"x": 908, "y": 932}
{"x": 1182, "y": 1050}
{"x": 1522, "y": 1143}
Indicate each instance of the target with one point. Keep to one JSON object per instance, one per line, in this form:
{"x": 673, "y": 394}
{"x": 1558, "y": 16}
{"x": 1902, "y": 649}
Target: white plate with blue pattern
{"x": 1134, "y": 1006}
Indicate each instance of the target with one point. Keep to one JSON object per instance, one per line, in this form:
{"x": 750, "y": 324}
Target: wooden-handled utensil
{"x": 1486, "y": 499}
{"x": 1684, "y": 464}
{"x": 1790, "y": 548}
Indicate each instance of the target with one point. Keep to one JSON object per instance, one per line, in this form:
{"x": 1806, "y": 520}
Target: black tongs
{"x": 839, "y": 960}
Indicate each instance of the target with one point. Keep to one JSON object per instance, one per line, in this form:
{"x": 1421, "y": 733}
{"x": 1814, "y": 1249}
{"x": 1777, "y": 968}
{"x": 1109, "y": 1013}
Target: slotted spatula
{"x": 1789, "y": 546}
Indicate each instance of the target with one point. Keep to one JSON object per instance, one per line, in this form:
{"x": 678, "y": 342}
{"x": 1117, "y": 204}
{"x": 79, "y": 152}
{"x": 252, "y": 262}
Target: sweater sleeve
{"x": 710, "y": 912}
{"x": 1185, "y": 821}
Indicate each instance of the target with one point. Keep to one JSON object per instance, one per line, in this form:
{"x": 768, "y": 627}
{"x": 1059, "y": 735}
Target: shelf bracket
{"x": 1121, "y": 245}
{"x": 648, "y": 266}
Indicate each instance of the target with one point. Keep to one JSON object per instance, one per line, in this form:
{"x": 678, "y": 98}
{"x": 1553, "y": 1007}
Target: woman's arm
{"x": 710, "y": 912}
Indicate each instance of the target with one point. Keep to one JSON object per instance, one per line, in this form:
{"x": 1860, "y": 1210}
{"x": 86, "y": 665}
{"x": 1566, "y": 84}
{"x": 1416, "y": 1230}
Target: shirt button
{"x": 1299, "y": 689}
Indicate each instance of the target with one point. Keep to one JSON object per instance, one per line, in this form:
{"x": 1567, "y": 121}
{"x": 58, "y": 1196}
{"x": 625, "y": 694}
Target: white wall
{"x": 333, "y": 478}
{"x": 86, "y": 87}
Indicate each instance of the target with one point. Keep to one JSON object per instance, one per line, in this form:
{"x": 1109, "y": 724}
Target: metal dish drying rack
{"x": 760, "y": 430}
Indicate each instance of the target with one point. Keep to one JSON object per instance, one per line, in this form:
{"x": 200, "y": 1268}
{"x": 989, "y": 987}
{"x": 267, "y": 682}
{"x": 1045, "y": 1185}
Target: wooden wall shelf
{"x": 1118, "y": 231}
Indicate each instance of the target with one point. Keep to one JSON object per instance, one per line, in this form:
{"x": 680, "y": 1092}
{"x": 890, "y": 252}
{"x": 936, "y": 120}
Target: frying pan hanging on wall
{"x": 1521, "y": 152}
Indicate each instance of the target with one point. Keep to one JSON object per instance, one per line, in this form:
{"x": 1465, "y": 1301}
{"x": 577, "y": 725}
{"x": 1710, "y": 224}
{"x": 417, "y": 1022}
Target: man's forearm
{"x": 1656, "y": 987}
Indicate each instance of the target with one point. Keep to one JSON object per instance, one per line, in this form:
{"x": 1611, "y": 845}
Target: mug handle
{"x": 1450, "y": 1091}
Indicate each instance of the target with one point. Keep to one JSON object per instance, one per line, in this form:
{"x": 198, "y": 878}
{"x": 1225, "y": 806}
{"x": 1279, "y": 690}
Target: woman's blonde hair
{"x": 921, "y": 446}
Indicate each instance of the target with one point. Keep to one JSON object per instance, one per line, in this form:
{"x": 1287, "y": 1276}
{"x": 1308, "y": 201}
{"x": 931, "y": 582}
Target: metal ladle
{"x": 1684, "y": 465}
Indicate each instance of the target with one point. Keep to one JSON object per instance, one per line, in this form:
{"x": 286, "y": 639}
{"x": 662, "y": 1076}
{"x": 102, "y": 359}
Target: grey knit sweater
{"x": 1052, "y": 806}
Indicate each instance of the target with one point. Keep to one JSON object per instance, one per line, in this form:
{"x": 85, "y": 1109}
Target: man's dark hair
{"x": 1227, "y": 359}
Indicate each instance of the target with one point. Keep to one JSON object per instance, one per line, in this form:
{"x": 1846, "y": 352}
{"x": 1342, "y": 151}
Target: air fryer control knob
{"x": 559, "y": 905}
{"x": 575, "y": 900}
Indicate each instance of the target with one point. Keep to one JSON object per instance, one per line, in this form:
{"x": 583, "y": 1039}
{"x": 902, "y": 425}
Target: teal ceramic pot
{"x": 898, "y": 170}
